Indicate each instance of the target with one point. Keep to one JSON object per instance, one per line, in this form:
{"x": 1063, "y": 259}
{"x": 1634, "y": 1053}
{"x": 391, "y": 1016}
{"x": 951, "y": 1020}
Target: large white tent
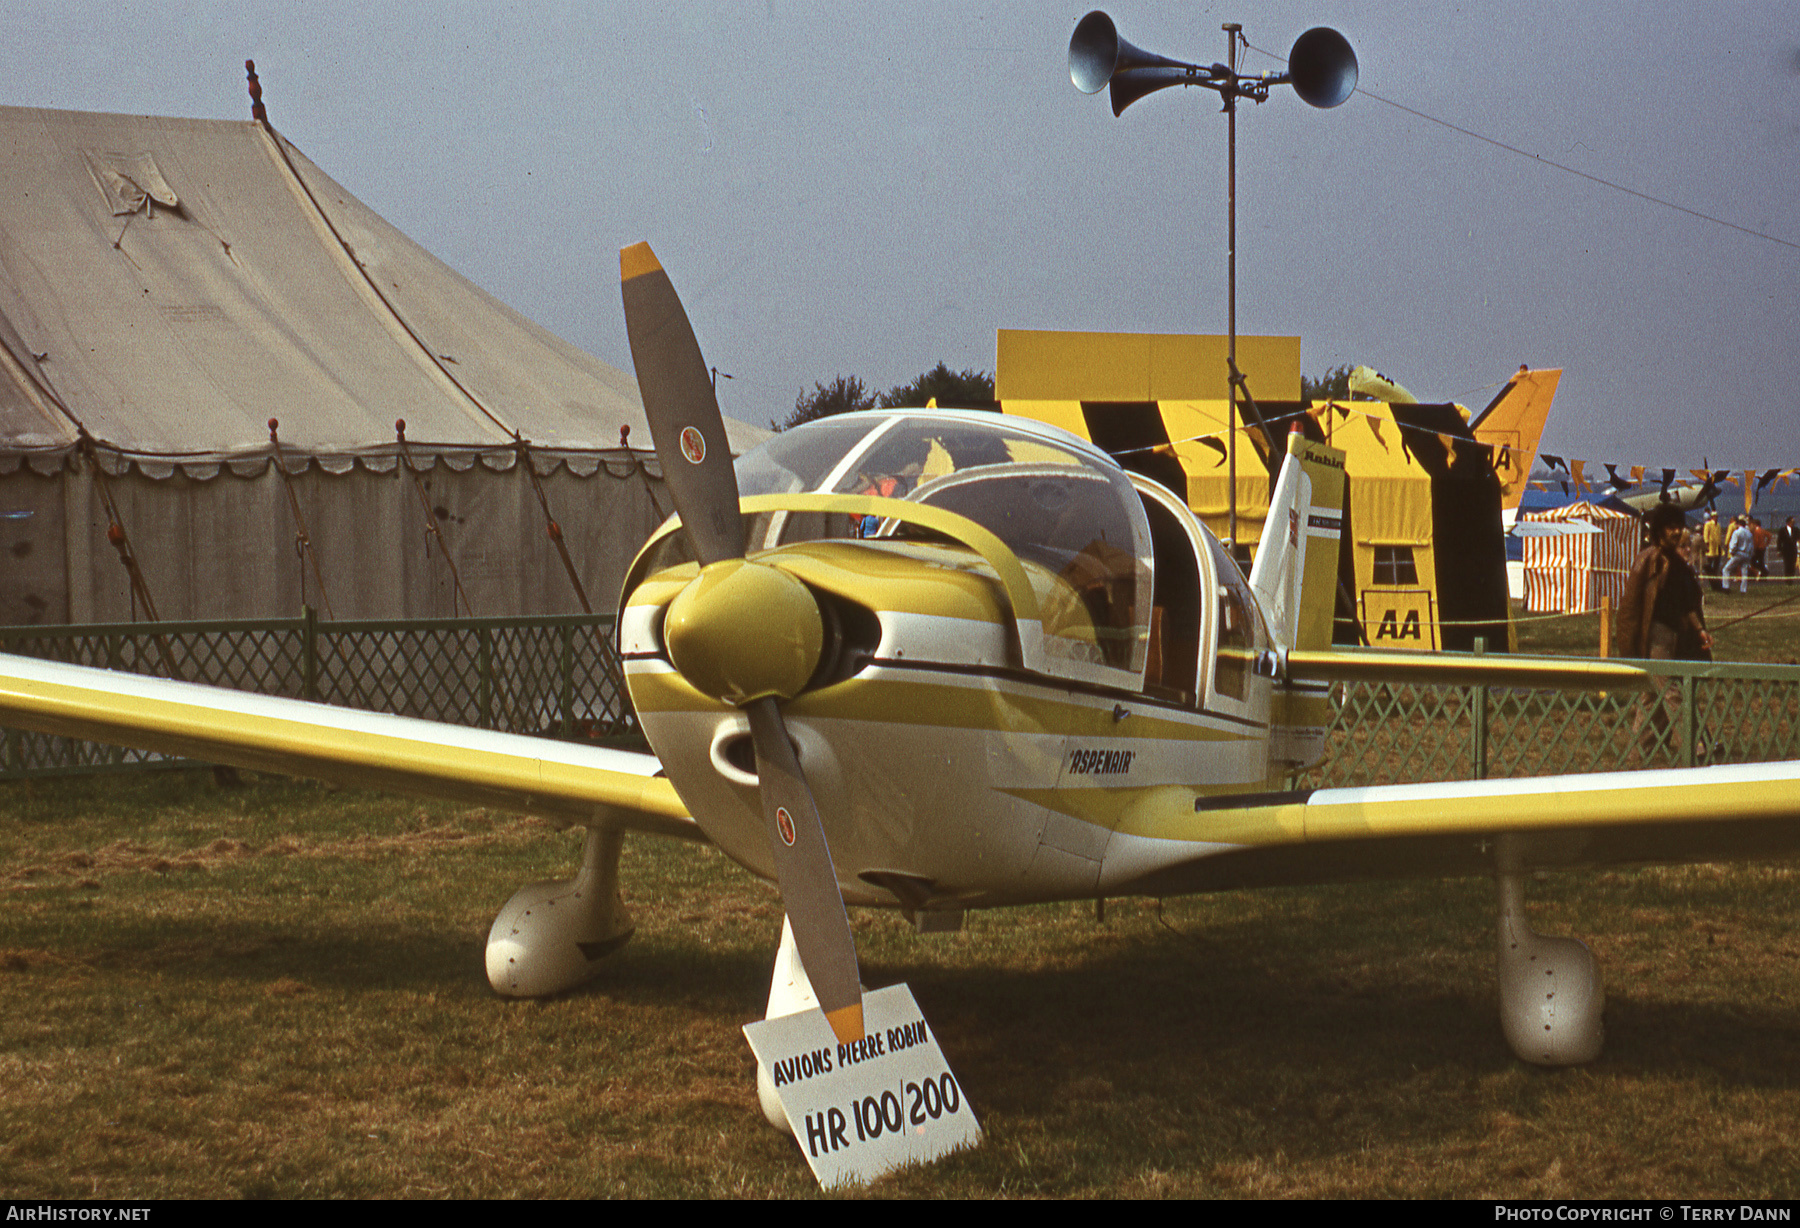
{"x": 167, "y": 286}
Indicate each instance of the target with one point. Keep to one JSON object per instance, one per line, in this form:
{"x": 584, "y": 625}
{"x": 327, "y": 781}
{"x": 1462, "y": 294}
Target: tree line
{"x": 968, "y": 389}
{"x": 845, "y": 394}
{"x": 1334, "y": 385}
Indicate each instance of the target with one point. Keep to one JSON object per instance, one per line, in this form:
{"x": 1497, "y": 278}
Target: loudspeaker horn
{"x": 1322, "y": 67}
{"x": 1099, "y": 57}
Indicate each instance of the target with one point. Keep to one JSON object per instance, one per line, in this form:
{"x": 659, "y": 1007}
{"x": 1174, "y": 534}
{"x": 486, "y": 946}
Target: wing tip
{"x": 637, "y": 260}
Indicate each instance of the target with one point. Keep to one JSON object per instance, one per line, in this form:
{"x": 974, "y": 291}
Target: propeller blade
{"x": 809, "y": 887}
{"x": 681, "y": 408}
{"x": 690, "y": 441}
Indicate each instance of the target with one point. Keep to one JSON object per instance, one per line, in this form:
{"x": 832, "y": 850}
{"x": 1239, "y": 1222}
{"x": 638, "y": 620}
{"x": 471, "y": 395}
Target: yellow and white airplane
{"x": 938, "y": 661}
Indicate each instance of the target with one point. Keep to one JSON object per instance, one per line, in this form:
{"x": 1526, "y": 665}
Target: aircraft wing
{"x": 1400, "y": 666}
{"x": 564, "y": 782}
{"x": 1443, "y": 829}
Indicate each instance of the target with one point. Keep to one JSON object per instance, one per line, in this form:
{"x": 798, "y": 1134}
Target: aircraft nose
{"x": 743, "y": 631}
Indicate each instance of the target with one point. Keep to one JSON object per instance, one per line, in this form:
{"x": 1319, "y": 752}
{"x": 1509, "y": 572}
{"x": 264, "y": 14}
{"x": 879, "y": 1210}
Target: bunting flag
{"x": 1699, "y": 487}
{"x": 1574, "y": 475}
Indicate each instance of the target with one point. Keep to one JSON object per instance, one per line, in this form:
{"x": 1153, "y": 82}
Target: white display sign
{"x": 862, "y": 1109}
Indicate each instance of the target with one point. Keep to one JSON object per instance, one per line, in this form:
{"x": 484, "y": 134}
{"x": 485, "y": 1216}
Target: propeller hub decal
{"x": 693, "y": 445}
{"x": 784, "y": 822}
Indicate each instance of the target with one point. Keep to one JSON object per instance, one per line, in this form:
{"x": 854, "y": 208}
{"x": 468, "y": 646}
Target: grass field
{"x": 1763, "y": 625}
{"x": 276, "y": 990}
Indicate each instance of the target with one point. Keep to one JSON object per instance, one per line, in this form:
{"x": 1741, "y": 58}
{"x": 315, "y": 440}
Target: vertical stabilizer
{"x": 1295, "y": 579}
{"x": 1296, "y": 571}
{"x": 1513, "y": 423}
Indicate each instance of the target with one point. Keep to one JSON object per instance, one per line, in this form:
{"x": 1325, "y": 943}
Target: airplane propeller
{"x": 742, "y": 631}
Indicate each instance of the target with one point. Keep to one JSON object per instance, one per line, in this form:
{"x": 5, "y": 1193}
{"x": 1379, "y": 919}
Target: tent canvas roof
{"x": 1582, "y": 510}
{"x": 172, "y": 284}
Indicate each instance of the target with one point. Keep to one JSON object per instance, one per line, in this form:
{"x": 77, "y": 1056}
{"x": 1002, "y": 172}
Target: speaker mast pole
{"x": 1231, "y": 29}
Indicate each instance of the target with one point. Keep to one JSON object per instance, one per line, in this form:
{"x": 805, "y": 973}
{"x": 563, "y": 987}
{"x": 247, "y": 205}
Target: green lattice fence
{"x": 1698, "y": 713}
{"x": 559, "y": 677}
{"x": 553, "y": 677}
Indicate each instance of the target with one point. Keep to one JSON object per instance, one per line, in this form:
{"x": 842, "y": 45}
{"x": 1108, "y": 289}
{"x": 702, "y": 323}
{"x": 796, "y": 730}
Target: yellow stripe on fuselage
{"x": 978, "y": 703}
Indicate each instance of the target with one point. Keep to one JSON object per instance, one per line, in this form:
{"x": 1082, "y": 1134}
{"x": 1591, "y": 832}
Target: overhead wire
{"x": 1541, "y": 160}
{"x": 1608, "y": 183}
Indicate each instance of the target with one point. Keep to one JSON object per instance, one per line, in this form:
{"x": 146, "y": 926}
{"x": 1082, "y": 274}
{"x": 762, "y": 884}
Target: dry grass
{"x": 276, "y": 991}
{"x": 1757, "y": 626}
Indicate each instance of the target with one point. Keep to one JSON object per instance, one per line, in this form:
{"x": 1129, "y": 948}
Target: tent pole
{"x": 431, "y": 525}
{"x": 115, "y": 533}
{"x": 550, "y": 526}
{"x": 300, "y": 533}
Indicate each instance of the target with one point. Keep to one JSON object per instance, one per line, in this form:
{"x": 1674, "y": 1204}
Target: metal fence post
{"x": 484, "y": 664}
{"x": 1690, "y": 725}
{"x": 1479, "y": 718}
{"x": 309, "y": 653}
{"x": 566, "y": 697}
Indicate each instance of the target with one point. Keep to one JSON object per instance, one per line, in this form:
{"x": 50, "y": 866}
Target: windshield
{"x": 800, "y": 459}
{"x": 1070, "y": 516}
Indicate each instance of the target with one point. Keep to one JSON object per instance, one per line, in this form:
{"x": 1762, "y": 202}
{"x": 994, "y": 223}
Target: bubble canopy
{"x": 1064, "y": 508}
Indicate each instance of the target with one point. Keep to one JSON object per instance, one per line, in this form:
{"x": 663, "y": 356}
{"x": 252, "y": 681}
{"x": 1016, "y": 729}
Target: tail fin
{"x": 1512, "y": 424}
{"x": 1296, "y": 579}
{"x": 1373, "y": 383}
{"x": 1296, "y": 571}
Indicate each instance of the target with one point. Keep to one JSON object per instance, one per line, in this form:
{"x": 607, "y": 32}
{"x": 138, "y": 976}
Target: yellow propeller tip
{"x": 846, "y": 1023}
{"x": 637, "y": 260}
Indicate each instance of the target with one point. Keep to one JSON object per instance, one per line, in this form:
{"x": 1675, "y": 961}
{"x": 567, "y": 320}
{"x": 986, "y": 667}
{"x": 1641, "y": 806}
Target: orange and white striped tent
{"x": 1581, "y": 569}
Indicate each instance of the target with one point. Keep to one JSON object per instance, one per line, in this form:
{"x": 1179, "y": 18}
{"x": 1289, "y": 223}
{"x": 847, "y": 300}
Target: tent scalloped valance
{"x": 615, "y": 463}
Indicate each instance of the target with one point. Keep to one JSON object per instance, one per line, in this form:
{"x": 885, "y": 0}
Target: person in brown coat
{"x": 1660, "y": 615}
{"x": 1660, "y": 618}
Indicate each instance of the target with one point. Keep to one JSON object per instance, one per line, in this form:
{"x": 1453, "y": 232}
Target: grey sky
{"x": 869, "y": 189}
